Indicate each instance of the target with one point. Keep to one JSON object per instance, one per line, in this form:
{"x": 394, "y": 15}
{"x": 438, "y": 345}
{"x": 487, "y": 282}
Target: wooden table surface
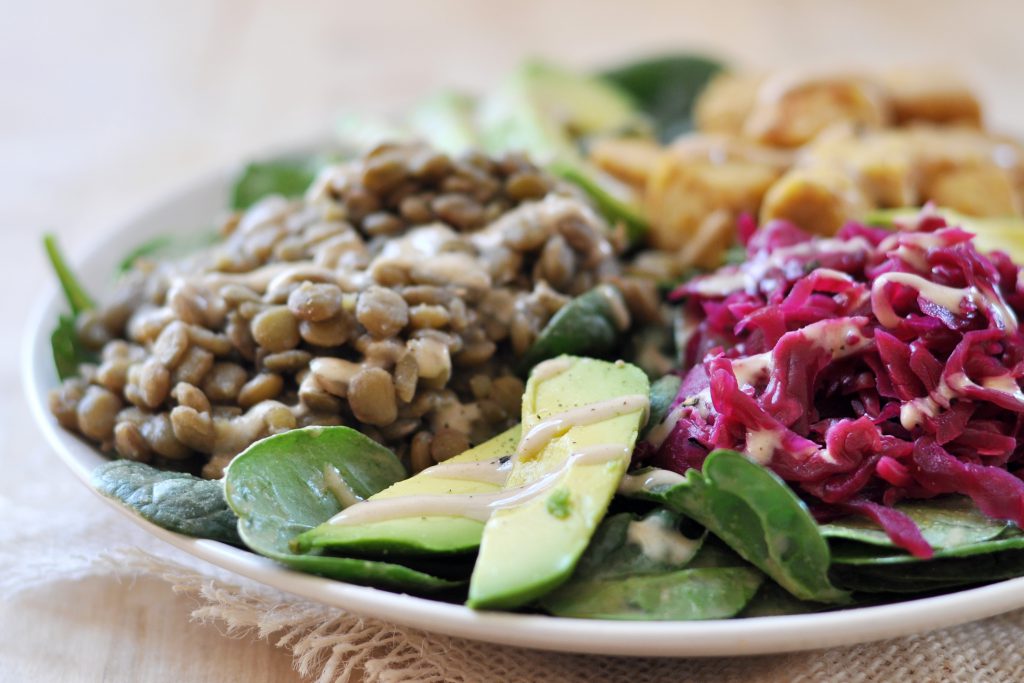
{"x": 106, "y": 105}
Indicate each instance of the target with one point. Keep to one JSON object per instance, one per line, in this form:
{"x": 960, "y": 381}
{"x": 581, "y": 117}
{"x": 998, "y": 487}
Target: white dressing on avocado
{"x": 493, "y": 471}
{"x": 478, "y": 506}
{"x": 535, "y": 440}
{"x": 659, "y": 541}
{"x": 552, "y": 368}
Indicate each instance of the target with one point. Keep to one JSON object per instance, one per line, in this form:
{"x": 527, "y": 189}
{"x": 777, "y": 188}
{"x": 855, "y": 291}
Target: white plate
{"x": 194, "y": 209}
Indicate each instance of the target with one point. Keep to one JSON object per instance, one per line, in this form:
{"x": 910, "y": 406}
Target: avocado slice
{"x": 543, "y": 110}
{"x": 446, "y": 121}
{"x": 534, "y": 546}
{"x": 433, "y": 535}
{"x": 1005, "y": 233}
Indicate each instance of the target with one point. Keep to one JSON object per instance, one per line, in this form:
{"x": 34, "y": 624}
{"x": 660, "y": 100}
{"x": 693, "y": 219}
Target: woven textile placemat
{"x": 56, "y": 530}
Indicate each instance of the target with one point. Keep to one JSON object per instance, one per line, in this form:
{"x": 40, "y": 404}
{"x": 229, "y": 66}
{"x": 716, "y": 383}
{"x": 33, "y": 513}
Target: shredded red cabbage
{"x": 864, "y": 369}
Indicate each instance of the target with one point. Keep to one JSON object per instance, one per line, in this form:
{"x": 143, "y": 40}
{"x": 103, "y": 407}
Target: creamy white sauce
{"x": 726, "y": 281}
{"x": 761, "y": 444}
{"x": 535, "y": 440}
{"x": 752, "y": 370}
{"x": 659, "y": 542}
{"x": 913, "y": 412}
{"x": 660, "y": 431}
{"x": 551, "y": 368}
{"x": 257, "y": 280}
{"x": 338, "y": 487}
{"x": 478, "y": 506}
{"x": 840, "y": 340}
{"x": 494, "y": 471}
{"x": 648, "y": 480}
{"x": 950, "y": 298}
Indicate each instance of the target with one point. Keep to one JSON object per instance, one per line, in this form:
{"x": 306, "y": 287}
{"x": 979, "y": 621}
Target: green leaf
{"x": 286, "y": 177}
{"x": 687, "y": 594}
{"x": 863, "y": 554}
{"x": 675, "y": 577}
{"x": 663, "y": 394}
{"x": 586, "y": 326}
{"x": 75, "y": 294}
{"x": 932, "y": 575}
{"x": 756, "y": 514}
{"x": 175, "y": 501}
{"x": 947, "y": 522}
{"x": 614, "y": 202}
{"x": 666, "y": 88}
{"x": 278, "y": 488}
{"x": 446, "y": 121}
{"x": 773, "y": 600}
{"x": 614, "y": 554}
{"x": 68, "y": 352}
{"x": 166, "y": 246}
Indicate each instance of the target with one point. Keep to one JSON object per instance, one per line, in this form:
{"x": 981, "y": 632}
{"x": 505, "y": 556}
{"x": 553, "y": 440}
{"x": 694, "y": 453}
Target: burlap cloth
{"x": 53, "y": 529}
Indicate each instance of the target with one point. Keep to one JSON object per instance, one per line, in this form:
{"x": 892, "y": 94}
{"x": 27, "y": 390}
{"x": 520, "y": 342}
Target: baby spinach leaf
{"x": 756, "y": 514}
{"x": 773, "y": 600}
{"x": 931, "y": 575}
{"x": 687, "y": 594}
{"x": 278, "y": 489}
{"x": 666, "y": 88}
{"x": 663, "y": 394}
{"x": 672, "y": 578}
{"x": 614, "y": 552}
{"x": 68, "y": 351}
{"x": 175, "y": 501}
{"x": 947, "y": 522}
{"x": 863, "y": 554}
{"x": 586, "y": 326}
{"x": 75, "y": 294}
{"x": 287, "y": 177}
{"x": 166, "y": 246}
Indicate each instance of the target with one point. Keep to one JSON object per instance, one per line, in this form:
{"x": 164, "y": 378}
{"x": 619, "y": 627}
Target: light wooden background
{"x": 107, "y": 104}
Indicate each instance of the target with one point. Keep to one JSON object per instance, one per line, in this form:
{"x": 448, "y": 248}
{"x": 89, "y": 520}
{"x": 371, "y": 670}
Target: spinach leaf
{"x": 586, "y": 326}
{"x": 687, "y": 594}
{"x": 756, "y": 514}
{"x": 75, "y": 294}
{"x": 166, "y": 246}
{"x": 947, "y": 522}
{"x": 663, "y": 393}
{"x": 863, "y": 554}
{"x": 931, "y": 575}
{"x": 287, "y": 177}
{"x": 773, "y": 600}
{"x": 666, "y": 88}
{"x": 600, "y": 189}
{"x": 68, "y": 351}
{"x": 278, "y": 487}
{"x": 616, "y": 553}
{"x": 617, "y": 579}
{"x": 175, "y": 501}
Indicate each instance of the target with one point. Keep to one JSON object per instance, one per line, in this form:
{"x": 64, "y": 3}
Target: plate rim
{"x": 713, "y": 638}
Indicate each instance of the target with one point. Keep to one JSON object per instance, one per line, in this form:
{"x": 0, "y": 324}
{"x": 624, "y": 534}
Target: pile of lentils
{"x": 394, "y": 298}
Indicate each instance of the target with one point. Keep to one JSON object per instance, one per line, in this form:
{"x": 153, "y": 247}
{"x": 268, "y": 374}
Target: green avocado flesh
{"x": 560, "y": 521}
{"x": 417, "y": 535}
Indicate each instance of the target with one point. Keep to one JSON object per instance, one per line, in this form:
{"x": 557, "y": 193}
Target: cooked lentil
{"x": 393, "y": 298}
